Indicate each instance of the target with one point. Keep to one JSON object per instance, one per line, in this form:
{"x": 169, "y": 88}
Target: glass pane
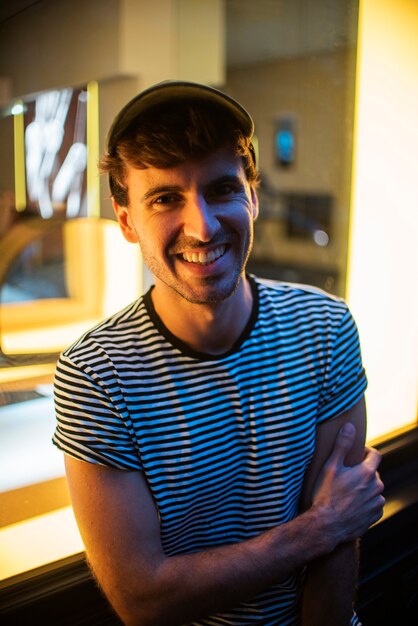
{"x": 292, "y": 64}
{"x": 37, "y": 272}
{"x": 59, "y": 278}
{"x": 56, "y": 152}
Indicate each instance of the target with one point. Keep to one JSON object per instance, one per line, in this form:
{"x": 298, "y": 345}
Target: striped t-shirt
{"x": 224, "y": 441}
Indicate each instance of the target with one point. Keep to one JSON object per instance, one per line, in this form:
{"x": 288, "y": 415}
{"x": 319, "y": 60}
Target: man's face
{"x": 194, "y": 224}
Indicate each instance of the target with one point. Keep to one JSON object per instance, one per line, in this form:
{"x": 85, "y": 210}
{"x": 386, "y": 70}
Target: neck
{"x": 207, "y": 328}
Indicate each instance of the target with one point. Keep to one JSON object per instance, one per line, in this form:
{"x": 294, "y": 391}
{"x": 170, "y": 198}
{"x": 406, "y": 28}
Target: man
{"x": 214, "y": 430}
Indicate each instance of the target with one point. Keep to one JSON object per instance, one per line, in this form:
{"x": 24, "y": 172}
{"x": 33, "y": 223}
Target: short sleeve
{"x": 345, "y": 379}
{"x": 92, "y": 421}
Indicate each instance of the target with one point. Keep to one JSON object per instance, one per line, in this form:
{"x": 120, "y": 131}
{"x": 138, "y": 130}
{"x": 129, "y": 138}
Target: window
{"x": 347, "y": 226}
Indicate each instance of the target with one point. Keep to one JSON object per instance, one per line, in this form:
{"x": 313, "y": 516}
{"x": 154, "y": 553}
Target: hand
{"x": 349, "y": 499}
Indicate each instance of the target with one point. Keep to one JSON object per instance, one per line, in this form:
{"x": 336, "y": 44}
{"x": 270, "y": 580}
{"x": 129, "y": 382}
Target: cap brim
{"x": 171, "y": 91}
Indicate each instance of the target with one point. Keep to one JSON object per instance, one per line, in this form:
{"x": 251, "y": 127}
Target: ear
{"x": 125, "y": 222}
{"x": 254, "y": 203}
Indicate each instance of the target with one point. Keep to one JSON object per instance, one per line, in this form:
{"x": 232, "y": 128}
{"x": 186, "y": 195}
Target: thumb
{"x": 343, "y": 443}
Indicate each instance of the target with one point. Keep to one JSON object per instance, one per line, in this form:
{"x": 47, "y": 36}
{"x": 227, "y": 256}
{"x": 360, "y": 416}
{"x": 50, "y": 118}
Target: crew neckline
{"x": 187, "y": 350}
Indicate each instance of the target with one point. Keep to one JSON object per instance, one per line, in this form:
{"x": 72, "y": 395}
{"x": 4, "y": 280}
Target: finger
{"x": 343, "y": 444}
{"x": 374, "y": 487}
{"x": 372, "y": 459}
{"x": 378, "y": 511}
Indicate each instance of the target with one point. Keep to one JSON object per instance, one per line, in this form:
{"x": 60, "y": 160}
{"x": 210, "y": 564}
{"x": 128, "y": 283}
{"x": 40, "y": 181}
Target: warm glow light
{"x": 19, "y": 160}
{"x": 104, "y": 274}
{"x": 37, "y": 541}
{"x": 123, "y": 269}
{"x": 54, "y": 338}
{"x": 13, "y": 374}
{"x": 383, "y": 261}
{"x": 124, "y": 278}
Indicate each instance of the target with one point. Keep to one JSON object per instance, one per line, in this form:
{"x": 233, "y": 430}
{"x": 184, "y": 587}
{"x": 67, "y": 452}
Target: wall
{"x": 56, "y": 43}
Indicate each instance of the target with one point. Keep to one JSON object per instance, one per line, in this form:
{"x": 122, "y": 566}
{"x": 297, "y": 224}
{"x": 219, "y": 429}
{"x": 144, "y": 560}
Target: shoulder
{"x": 286, "y": 289}
{"x": 107, "y": 347}
{"x": 116, "y": 330}
{"x": 299, "y": 299}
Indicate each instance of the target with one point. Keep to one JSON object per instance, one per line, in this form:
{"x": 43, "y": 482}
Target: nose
{"x": 199, "y": 219}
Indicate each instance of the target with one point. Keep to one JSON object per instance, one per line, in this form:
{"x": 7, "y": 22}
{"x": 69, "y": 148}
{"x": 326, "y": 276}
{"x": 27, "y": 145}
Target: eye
{"x": 222, "y": 190}
{"x": 165, "y": 200}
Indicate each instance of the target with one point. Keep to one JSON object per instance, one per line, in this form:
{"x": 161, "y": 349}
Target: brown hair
{"x": 168, "y": 136}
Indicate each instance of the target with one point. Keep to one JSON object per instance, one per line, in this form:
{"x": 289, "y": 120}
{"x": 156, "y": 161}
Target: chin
{"x": 212, "y": 293}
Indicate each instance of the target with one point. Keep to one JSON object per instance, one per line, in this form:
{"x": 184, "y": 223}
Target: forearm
{"x": 329, "y": 588}
{"x": 120, "y": 528}
{"x": 183, "y": 588}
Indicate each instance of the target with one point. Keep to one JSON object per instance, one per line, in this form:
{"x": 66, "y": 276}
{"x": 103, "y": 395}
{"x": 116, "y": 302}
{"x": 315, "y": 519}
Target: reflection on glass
{"x": 56, "y": 152}
{"x": 37, "y": 272}
{"x": 58, "y": 279}
{"x": 292, "y": 65}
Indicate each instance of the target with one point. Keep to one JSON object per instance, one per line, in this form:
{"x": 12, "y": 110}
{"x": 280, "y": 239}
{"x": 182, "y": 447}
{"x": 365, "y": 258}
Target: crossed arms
{"x": 120, "y": 528}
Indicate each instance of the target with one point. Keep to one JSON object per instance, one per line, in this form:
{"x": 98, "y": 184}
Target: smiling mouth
{"x": 203, "y": 258}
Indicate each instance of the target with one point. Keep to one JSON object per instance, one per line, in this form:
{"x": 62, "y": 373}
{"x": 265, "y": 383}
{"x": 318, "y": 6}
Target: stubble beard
{"x": 217, "y": 293}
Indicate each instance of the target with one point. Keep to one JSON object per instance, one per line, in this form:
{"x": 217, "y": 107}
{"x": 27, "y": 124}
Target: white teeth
{"x": 203, "y": 257}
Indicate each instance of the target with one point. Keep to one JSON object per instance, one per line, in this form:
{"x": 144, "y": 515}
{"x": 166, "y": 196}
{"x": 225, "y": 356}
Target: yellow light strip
{"x": 21, "y": 373}
{"x": 38, "y": 541}
{"x": 354, "y": 157}
{"x": 53, "y": 338}
{"x": 382, "y": 265}
{"x": 93, "y": 182}
{"x": 354, "y": 150}
{"x": 19, "y": 154}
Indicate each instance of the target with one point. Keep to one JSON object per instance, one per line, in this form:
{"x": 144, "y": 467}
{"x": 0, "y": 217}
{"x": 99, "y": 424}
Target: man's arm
{"x": 120, "y": 528}
{"x": 330, "y": 580}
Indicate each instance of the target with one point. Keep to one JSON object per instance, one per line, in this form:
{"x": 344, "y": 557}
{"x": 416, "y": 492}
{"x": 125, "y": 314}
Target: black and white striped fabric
{"x": 224, "y": 441}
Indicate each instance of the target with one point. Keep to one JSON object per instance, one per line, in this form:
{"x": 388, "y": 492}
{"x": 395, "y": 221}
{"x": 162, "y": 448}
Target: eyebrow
{"x": 161, "y": 189}
{"x": 154, "y": 191}
{"x": 227, "y": 178}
